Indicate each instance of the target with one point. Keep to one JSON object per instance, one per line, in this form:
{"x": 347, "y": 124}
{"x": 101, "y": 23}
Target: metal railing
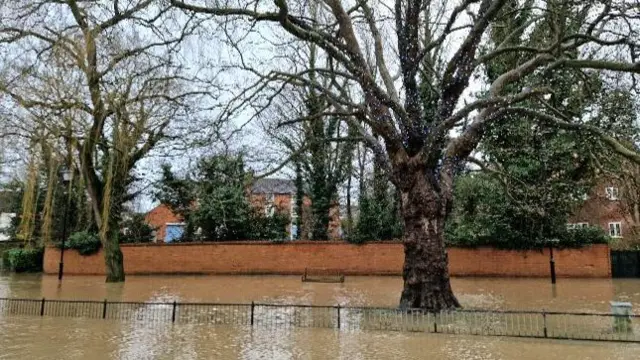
{"x": 535, "y": 324}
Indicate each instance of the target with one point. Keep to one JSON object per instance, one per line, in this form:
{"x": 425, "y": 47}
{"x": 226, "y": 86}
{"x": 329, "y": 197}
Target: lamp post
{"x": 66, "y": 176}
{"x": 552, "y": 261}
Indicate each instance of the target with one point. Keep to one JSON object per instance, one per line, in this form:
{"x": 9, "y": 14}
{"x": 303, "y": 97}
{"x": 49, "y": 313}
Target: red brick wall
{"x": 369, "y": 259}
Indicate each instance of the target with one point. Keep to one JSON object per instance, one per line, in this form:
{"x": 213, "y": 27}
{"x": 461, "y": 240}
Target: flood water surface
{"x": 581, "y": 295}
{"x": 25, "y": 337}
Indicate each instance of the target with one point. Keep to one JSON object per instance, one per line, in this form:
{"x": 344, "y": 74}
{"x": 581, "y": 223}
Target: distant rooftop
{"x": 273, "y": 186}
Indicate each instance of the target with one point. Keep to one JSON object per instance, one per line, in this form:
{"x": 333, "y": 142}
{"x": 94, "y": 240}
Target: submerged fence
{"x": 535, "y": 324}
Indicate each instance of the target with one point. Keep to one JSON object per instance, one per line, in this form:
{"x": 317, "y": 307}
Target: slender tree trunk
{"x": 425, "y": 272}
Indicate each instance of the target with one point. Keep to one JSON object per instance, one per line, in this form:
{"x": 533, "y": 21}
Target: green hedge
{"x": 23, "y": 260}
{"x": 86, "y": 243}
{"x": 573, "y": 238}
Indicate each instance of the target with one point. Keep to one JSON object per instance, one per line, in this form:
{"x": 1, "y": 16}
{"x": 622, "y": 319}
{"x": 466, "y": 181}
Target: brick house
{"x": 605, "y": 207}
{"x": 268, "y": 195}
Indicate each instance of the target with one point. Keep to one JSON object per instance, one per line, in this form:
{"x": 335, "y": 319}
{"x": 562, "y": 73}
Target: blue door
{"x": 174, "y": 232}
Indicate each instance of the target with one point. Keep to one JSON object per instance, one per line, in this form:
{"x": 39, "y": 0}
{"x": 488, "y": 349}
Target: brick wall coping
{"x": 323, "y": 242}
{"x": 253, "y": 242}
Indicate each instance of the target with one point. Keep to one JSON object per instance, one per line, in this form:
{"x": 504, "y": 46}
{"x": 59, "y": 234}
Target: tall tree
{"x": 107, "y": 80}
{"x": 617, "y": 111}
{"x": 417, "y": 147}
{"x": 322, "y": 141}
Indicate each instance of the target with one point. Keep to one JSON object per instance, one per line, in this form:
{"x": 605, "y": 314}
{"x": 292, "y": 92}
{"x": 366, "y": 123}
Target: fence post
{"x": 173, "y": 312}
{"x": 104, "y": 309}
{"x": 338, "y": 308}
{"x": 253, "y": 305}
{"x": 544, "y": 322}
{"x": 42, "y": 307}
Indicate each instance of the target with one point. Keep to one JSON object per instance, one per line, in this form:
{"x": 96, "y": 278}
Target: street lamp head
{"x": 66, "y": 175}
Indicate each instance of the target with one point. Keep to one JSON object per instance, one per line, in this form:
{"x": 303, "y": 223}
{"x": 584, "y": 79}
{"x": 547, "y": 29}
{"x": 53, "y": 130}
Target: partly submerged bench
{"x": 322, "y": 276}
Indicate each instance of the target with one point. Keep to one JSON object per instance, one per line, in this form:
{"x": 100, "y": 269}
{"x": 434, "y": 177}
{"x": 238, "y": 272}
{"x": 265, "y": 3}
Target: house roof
{"x": 273, "y": 186}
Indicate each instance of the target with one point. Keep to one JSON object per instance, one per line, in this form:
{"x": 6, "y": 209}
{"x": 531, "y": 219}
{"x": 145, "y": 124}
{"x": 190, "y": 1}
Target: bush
{"x": 268, "y": 227}
{"x": 23, "y": 260}
{"x": 378, "y": 220}
{"x": 584, "y": 236}
{"x": 86, "y": 243}
{"x": 569, "y": 238}
{"x": 136, "y": 230}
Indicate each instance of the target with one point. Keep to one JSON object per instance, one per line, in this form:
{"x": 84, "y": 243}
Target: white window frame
{"x": 614, "y": 233}
{"x": 270, "y": 209}
{"x": 612, "y": 193}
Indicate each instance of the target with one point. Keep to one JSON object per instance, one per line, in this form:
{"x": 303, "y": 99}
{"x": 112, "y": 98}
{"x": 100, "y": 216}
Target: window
{"x": 612, "y": 193}
{"x": 615, "y": 229}
{"x": 270, "y": 207}
{"x": 572, "y": 226}
{"x": 174, "y": 231}
{"x": 294, "y": 207}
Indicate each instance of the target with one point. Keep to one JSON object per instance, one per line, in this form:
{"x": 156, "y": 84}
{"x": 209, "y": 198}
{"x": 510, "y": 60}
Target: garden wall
{"x": 384, "y": 258}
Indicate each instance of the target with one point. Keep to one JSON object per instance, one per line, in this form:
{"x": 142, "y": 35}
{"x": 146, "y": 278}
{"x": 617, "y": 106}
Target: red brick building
{"x": 605, "y": 206}
{"x": 268, "y": 195}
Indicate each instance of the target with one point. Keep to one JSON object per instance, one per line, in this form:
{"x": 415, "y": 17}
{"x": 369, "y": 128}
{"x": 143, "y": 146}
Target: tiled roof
{"x": 273, "y": 186}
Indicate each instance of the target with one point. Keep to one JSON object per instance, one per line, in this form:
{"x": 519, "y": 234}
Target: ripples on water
{"x": 66, "y": 338}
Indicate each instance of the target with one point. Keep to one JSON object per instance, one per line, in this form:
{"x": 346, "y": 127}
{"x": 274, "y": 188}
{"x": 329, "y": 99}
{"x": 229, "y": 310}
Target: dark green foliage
{"x": 379, "y": 218}
{"x": 534, "y": 174}
{"x": 268, "y": 227}
{"x": 485, "y": 213}
{"x": 223, "y": 211}
{"x": 324, "y": 163}
{"x": 86, "y": 243}
{"x": 583, "y": 237}
{"x": 23, "y": 259}
{"x": 136, "y": 230}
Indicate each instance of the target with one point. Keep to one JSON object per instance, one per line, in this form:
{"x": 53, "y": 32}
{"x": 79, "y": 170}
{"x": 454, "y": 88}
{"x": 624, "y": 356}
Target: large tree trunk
{"x": 113, "y": 258}
{"x": 425, "y": 272}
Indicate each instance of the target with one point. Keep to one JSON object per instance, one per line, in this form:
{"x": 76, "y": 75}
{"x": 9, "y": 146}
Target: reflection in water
{"x": 484, "y": 293}
{"x": 66, "y": 338}
{"x": 61, "y": 338}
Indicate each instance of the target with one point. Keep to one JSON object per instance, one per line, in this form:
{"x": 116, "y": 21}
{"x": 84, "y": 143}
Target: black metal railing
{"x": 536, "y": 324}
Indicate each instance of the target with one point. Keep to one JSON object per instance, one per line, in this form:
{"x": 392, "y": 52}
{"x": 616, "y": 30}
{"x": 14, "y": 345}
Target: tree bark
{"x": 425, "y": 273}
{"x": 113, "y": 258}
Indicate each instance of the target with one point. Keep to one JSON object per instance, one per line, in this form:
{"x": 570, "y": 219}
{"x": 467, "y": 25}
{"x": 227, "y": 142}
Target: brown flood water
{"x": 66, "y": 338}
